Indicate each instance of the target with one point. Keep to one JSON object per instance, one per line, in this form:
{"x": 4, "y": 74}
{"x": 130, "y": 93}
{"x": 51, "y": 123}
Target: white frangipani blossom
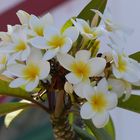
{"x": 82, "y": 66}
{"x": 29, "y": 74}
{"x": 18, "y": 47}
{"x": 54, "y": 41}
{"x": 99, "y": 102}
{"x": 125, "y": 68}
{"x": 86, "y": 30}
{"x": 36, "y": 25}
{"x": 120, "y": 87}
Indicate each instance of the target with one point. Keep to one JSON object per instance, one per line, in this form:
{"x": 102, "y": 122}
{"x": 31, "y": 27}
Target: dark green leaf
{"x": 10, "y": 107}
{"x": 87, "y": 14}
{"x": 132, "y": 104}
{"x": 102, "y": 133}
{"x": 135, "y": 56}
{"x": 82, "y": 133}
{"x": 14, "y": 92}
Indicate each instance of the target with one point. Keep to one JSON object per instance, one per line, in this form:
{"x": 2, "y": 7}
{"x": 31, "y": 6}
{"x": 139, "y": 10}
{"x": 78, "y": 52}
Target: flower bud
{"x": 68, "y": 88}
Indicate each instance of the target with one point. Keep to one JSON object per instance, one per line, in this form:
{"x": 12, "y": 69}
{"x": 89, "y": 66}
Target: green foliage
{"x": 10, "y": 107}
{"x": 135, "y": 56}
{"x": 14, "y": 92}
{"x": 87, "y": 14}
{"x": 106, "y": 133}
{"x": 132, "y": 104}
{"x": 83, "y": 134}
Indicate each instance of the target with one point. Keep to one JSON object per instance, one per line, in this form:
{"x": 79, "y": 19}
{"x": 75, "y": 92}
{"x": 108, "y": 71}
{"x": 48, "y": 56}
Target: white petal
{"x": 16, "y": 70}
{"x": 25, "y": 54}
{"x": 103, "y": 86}
{"x": 32, "y": 84}
{"x": 50, "y": 54}
{"x": 116, "y": 73}
{"x": 79, "y": 89}
{"x": 131, "y": 75}
{"x": 47, "y": 20}
{"x": 51, "y": 31}
{"x": 73, "y": 79}
{"x": 83, "y": 55}
{"x": 45, "y": 69}
{"x": 18, "y": 82}
{"x": 100, "y": 119}
{"x": 87, "y": 111}
{"x": 34, "y": 56}
{"x": 39, "y": 42}
{"x": 97, "y": 66}
{"x": 72, "y": 33}
{"x": 34, "y": 22}
{"x": 65, "y": 60}
{"x": 67, "y": 46}
{"x": 117, "y": 86}
{"x": 112, "y": 101}
{"x": 23, "y": 17}
{"x": 88, "y": 92}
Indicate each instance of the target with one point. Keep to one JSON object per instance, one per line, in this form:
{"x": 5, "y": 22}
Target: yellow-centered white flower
{"x": 82, "y": 66}
{"x": 29, "y": 75}
{"x": 125, "y": 68}
{"x": 120, "y": 87}
{"x": 18, "y": 47}
{"x": 37, "y": 25}
{"x": 54, "y": 41}
{"x": 87, "y": 31}
{"x": 99, "y": 102}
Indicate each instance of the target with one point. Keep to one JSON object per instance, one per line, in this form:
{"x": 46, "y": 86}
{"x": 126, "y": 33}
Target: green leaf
{"x": 10, "y": 107}
{"x": 82, "y": 133}
{"x": 67, "y": 25}
{"x": 87, "y": 14}
{"x": 135, "y": 56}
{"x": 110, "y": 129}
{"x": 132, "y": 104}
{"x": 106, "y": 133}
{"x": 14, "y": 92}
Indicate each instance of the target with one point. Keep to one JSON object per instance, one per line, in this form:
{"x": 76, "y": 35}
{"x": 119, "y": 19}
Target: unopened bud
{"x": 95, "y": 20}
{"x": 68, "y": 88}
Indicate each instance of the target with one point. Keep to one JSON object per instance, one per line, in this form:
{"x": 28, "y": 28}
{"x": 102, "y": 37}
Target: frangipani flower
{"x": 37, "y": 25}
{"x": 120, "y": 87}
{"x": 82, "y": 66}
{"x": 18, "y": 47}
{"x": 113, "y": 30}
{"x": 99, "y": 102}
{"x": 29, "y": 75}
{"x": 125, "y": 68}
{"x": 86, "y": 30}
{"x": 54, "y": 41}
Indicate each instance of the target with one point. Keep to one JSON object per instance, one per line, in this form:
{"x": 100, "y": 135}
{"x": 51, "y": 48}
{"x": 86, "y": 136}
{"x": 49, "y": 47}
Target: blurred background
{"x": 35, "y": 122}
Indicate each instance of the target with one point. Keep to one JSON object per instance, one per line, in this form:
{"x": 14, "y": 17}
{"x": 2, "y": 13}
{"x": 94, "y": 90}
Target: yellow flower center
{"x": 21, "y": 46}
{"x": 122, "y": 66}
{"x": 56, "y": 41}
{"x": 99, "y": 102}
{"x": 31, "y": 71}
{"x": 39, "y": 30}
{"x": 81, "y": 69}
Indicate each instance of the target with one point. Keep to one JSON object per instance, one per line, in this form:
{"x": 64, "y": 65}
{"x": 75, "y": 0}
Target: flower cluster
{"x": 37, "y": 52}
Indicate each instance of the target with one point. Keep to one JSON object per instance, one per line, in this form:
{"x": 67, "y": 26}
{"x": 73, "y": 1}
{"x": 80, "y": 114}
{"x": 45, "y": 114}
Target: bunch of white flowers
{"x": 36, "y": 52}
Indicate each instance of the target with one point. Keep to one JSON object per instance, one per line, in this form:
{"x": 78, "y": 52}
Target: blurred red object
{"x": 37, "y": 7}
